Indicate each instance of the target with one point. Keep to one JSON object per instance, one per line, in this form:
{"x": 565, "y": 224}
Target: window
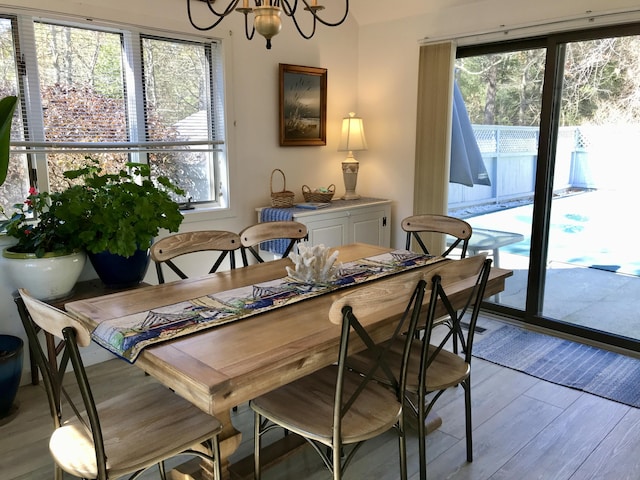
{"x": 115, "y": 95}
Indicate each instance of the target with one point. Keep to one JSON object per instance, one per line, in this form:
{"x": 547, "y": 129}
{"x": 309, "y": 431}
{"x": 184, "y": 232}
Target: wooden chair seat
{"x": 376, "y": 411}
{"x": 135, "y": 426}
{"x": 446, "y": 370}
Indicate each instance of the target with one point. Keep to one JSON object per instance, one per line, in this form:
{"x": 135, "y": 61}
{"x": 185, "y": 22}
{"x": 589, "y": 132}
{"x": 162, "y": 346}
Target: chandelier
{"x": 266, "y": 15}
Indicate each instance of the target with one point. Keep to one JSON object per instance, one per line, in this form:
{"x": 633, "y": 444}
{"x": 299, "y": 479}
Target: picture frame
{"x": 303, "y": 105}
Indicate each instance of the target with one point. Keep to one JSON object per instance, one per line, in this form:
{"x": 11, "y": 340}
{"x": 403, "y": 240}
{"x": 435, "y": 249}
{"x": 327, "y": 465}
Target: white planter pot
{"x": 48, "y": 278}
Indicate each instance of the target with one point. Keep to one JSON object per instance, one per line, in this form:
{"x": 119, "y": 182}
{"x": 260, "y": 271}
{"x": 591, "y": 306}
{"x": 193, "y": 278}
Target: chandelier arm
{"x": 330, "y": 24}
{"x": 292, "y": 11}
{"x": 304, "y": 35}
{"x": 221, "y": 17}
{"x": 232, "y": 5}
{"x": 246, "y": 28}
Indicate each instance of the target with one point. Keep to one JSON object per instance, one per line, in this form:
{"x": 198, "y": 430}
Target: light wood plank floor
{"x": 524, "y": 428}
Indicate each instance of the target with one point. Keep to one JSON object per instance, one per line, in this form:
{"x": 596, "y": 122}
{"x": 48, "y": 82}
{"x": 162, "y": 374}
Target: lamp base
{"x": 350, "y": 176}
{"x": 350, "y": 196}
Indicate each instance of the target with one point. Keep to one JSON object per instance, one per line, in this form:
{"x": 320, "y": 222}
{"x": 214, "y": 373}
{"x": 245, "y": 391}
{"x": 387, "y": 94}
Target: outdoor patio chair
{"x": 438, "y": 224}
{"x": 164, "y": 251}
{"x": 336, "y": 409}
{"x": 431, "y": 368}
{"x": 288, "y": 232}
{"x": 123, "y": 435}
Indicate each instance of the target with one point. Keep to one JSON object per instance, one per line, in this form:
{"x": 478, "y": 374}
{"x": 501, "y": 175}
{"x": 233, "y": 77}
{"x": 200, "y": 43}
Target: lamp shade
{"x": 352, "y": 137}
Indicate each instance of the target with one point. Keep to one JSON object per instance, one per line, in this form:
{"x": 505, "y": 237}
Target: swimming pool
{"x": 594, "y": 229}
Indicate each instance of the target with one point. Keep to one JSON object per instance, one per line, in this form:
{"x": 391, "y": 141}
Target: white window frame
{"x": 32, "y": 105}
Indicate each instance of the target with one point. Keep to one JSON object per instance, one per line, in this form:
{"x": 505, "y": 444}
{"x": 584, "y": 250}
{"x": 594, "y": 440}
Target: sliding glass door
{"x": 557, "y": 122}
{"x": 592, "y": 275}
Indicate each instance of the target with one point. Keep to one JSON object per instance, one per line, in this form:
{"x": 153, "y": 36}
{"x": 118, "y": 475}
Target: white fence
{"x": 587, "y": 157}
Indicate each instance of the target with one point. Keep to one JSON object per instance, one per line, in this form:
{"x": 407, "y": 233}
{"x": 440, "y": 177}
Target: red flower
{"x": 33, "y": 191}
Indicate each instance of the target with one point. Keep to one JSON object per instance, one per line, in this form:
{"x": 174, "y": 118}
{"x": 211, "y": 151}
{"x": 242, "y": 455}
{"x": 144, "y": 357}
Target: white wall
{"x": 372, "y": 70}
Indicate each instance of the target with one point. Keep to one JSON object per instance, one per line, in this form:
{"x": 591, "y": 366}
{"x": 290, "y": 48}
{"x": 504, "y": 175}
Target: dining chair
{"x": 336, "y": 409}
{"x": 442, "y": 225}
{"x": 165, "y": 250}
{"x": 287, "y": 232}
{"x": 123, "y": 435}
{"x": 438, "y": 224}
{"x": 432, "y": 368}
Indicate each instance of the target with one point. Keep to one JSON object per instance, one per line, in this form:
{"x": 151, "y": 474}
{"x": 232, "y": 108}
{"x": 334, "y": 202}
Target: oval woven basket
{"x": 322, "y": 197}
{"x": 283, "y": 198}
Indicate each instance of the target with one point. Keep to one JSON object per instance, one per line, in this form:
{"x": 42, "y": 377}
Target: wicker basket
{"x": 284, "y": 198}
{"x": 322, "y": 197}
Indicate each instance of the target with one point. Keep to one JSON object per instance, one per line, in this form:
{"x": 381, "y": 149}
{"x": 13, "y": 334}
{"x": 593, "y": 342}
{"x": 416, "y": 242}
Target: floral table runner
{"x": 127, "y": 336}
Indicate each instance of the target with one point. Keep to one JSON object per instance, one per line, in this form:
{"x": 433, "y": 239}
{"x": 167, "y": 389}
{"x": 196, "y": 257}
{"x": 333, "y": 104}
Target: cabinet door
{"x": 371, "y": 226}
{"x": 330, "y": 232}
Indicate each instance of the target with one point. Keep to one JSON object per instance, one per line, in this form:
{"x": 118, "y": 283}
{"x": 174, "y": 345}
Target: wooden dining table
{"x": 227, "y": 365}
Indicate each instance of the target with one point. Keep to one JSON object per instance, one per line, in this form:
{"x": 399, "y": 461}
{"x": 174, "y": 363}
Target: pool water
{"x": 596, "y": 229}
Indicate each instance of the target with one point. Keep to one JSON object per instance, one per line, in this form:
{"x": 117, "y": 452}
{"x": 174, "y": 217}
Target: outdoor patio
{"x": 593, "y": 276}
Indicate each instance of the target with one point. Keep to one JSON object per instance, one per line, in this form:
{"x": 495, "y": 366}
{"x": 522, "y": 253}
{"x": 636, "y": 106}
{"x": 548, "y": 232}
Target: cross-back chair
{"x": 165, "y": 250}
{"x": 439, "y": 224}
{"x": 336, "y": 409}
{"x": 288, "y": 232}
{"x": 442, "y": 225}
{"x": 123, "y": 435}
{"x": 432, "y": 368}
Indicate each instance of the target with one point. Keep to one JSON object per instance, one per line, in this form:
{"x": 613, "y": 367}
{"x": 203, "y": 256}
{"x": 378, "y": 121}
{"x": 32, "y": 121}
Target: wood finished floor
{"x": 524, "y": 428}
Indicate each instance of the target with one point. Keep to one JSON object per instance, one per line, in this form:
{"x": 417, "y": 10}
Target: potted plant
{"x": 115, "y": 217}
{"x": 45, "y": 259}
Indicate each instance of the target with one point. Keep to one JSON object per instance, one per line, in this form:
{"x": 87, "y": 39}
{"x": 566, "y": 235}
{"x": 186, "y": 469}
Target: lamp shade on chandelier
{"x": 267, "y": 15}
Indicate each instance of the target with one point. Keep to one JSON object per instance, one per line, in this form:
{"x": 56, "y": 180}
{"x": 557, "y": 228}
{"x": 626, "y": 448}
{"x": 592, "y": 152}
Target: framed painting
{"x": 303, "y": 105}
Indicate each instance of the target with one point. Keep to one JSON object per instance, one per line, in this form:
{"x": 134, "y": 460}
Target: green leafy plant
{"x": 42, "y": 235}
{"x": 7, "y": 107}
{"x": 118, "y": 213}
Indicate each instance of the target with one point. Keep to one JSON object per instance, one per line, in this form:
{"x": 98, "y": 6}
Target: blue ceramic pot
{"x": 10, "y": 371}
{"x": 117, "y": 271}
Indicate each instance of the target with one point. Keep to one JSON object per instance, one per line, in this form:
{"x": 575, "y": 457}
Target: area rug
{"x": 582, "y": 367}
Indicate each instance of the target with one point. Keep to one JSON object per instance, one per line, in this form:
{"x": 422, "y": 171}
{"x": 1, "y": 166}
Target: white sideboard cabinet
{"x": 366, "y": 220}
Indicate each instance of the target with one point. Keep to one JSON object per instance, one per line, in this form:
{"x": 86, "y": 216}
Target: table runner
{"x": 127, "y": 336}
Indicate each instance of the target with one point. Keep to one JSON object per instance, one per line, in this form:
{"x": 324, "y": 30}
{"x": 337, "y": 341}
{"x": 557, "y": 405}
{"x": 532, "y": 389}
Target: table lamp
{"x": 352, "y": 139}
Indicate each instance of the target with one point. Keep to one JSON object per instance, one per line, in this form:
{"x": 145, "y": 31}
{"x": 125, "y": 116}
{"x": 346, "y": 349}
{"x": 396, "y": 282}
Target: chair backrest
{"x": 442, "y": 224}
{"x": 289, "y": 232}
{"x": 445, "y": 283}
{"x": 166, "y": 249}
{"x": 74, "y": 334}
{"x": 359, "y": 311}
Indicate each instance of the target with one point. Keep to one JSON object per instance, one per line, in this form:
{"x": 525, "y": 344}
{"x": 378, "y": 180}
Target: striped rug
{"x": 582, "y": 367}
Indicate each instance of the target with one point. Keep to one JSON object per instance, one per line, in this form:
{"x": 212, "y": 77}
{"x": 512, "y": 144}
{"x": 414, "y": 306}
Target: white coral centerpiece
{"x": 313, "y": 264}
